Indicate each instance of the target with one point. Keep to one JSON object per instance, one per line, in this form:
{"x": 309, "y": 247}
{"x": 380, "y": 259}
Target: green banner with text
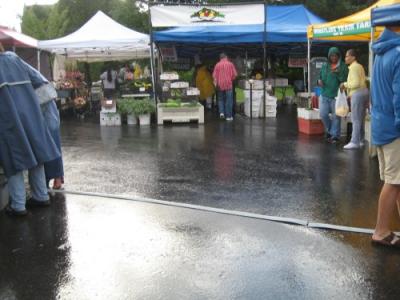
{"x": 340, "y": 30}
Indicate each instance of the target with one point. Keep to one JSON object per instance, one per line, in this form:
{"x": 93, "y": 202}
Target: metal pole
{"x": 152, "y": 60}
{"x": 251, "y": 100}
{"x": 264, "y": 59}
{"x": 38, "y": 60}
{"x": 371, "y": 54}
{"x": 308, "y": 65}
{"x": 245, "y": 66}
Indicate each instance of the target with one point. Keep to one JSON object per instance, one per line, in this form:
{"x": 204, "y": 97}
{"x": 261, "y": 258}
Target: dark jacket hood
{"x": 334, "y": 50}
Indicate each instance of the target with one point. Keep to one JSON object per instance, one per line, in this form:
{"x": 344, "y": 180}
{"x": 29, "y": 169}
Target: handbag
{"x": 46, "y": 93}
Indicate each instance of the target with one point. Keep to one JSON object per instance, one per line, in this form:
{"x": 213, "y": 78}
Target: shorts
{"x": 389, "y": 162}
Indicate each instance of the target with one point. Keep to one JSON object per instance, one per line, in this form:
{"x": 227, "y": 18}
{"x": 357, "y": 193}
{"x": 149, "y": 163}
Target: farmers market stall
{"x": 243, "y": 31}
{"x": 99, "y": 39}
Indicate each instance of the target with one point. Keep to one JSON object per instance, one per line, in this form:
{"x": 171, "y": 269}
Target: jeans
{"x": 358, "y": 102}
{"x": 16, "y": 187}
{"x": 225, "y": 103}
{"x": 332, "y": 122}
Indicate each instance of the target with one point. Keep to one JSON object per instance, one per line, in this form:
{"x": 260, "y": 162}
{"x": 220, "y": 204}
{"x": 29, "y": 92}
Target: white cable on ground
{"x": 293, "y": 221}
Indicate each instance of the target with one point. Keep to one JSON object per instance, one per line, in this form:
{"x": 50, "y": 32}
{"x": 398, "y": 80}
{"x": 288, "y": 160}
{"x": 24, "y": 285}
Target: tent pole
{"x": 245, "y": 65}
{"x": 152, "y": 59}
{"x": 371, "y": 54}
{"x": 38, "y": 60}
{"x": 264, "y": 60}
{"x": 308, "y": 65}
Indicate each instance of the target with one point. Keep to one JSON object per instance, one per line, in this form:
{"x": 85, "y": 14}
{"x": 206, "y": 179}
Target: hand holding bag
{"x": 341, "y": 107}
{"x": 46, "y": 93}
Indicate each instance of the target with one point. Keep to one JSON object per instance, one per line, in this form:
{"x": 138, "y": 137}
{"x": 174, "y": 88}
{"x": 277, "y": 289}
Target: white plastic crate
{"x": 192, "y": 91}
{"x": 308, "y": 114}
{"x": 271, "y": 114}
{"x": 278, "y": 82}
{"x": 109, "y": 110}
{"x": 271, "y": 100}
{"x": 169, "y": 76}
{"x": 270, "y": 111}
{"x": 257, "y": 85}
{"x": 256, "y": 94}
{"x": 256, "y": 107}
{"x": 110, "y": 119}
{"x": 180, "y": 114}
{"x": 179, "y": 85}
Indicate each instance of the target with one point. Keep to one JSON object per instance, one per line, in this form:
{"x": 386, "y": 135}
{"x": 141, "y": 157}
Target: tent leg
{"x": 308, "y": 65}
{"x": 371, "y": 54}
{"x": 245, "y": 66}
{"x": 152, "y": 61}
{"x": 38, "y": 60}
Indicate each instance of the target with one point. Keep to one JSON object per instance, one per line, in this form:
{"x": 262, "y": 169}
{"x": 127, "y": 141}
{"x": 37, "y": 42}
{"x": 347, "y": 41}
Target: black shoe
{"x": 31, "y": 202}
{"x": 15, "y": 213}
{"x": 334, "y": 140}
{"x": 328, "y": 136}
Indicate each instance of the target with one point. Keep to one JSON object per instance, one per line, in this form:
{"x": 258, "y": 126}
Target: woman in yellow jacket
{"x": 204, "y": 82}
{"x": 357, "y": 91}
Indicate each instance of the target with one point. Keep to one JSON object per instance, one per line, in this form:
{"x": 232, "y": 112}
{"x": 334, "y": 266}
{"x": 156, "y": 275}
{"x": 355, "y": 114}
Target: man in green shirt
{"x": 332, "y": 74}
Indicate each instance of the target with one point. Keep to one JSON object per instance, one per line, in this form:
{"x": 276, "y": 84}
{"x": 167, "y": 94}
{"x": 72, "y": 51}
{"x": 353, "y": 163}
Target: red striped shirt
{"x": 224, "y": 73}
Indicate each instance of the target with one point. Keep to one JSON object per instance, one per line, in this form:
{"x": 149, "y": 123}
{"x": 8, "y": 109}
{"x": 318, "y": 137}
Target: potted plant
{"x": 143, "y": 109}
{"x": 126, "y": 106}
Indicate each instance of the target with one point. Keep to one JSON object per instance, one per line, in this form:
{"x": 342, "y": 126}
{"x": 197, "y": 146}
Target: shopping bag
{"x": 341, "y": 107}
{"x": 46, "y": 93}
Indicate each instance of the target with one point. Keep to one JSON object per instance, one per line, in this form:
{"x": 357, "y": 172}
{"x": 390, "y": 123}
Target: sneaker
{"x": 362, "y": 144}
{"x": 15, "y": 213}
{"x": 221, "y": 116}
{"x": 229, "y": 119}
{"x": 350, "y": 146}
{"x": 31, "y": 202}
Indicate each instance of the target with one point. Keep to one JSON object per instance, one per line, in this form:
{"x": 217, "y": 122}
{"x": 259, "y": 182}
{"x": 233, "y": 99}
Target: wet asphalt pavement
{"x": 257, "y": 166}
{"x": 96, "y": 248}
{"x": 86, "y": 247}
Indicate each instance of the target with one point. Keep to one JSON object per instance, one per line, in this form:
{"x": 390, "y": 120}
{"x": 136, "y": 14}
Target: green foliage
{"x": 34, "y": 21}
{"x": 126, "y": 105}
{"x": 52, "y": 21}
{"x": 143, "y": 107}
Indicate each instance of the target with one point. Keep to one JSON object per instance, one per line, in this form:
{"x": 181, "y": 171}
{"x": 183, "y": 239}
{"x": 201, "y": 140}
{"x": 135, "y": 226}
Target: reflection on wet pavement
{"x": 260, "y": 166}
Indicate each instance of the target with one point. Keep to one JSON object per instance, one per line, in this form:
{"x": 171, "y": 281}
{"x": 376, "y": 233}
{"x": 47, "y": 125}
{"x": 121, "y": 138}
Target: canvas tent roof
{"x": 9, "y": 37}
{"x": 285, "y": 24}
{"x": 387, "y": 15}
{"x": 356, "y": 27}
{"x": 100, "y": 38}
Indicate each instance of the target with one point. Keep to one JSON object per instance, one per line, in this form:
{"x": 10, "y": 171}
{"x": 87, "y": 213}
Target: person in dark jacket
{"x": 332, "y": 74}
{"x": 385, "y": 122}
{"x": 25, "y": 142}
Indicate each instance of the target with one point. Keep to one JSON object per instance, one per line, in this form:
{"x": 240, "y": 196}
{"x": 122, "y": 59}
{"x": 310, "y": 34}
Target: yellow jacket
{"x": 204, "y": 82}
{"x": 355, "y": 79}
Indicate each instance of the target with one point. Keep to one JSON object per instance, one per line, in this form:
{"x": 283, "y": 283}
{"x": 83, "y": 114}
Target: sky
{"x": 10, "y": 10}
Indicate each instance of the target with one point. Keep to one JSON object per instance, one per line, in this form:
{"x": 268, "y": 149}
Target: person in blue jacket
{"x": 385, "y": 122}
{"x": 25, "y": 142}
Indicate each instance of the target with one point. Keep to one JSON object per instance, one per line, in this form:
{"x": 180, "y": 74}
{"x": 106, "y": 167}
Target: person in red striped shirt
{"x": 224, "y": 74}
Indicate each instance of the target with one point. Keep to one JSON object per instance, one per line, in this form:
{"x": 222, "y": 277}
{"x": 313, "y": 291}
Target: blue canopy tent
{"x": 285, "y": 24}
{"x": 386, "y": 15}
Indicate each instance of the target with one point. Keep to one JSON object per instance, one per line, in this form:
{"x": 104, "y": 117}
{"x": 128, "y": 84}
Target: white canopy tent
{"x": 100, "y": 39}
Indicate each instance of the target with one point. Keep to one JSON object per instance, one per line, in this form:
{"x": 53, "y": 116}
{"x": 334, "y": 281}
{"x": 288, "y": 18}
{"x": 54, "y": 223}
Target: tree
{"x": 34, "y": 21}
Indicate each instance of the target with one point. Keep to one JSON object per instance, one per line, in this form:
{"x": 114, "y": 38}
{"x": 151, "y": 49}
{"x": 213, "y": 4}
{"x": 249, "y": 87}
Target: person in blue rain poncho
{"x": 25, "y": 141}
